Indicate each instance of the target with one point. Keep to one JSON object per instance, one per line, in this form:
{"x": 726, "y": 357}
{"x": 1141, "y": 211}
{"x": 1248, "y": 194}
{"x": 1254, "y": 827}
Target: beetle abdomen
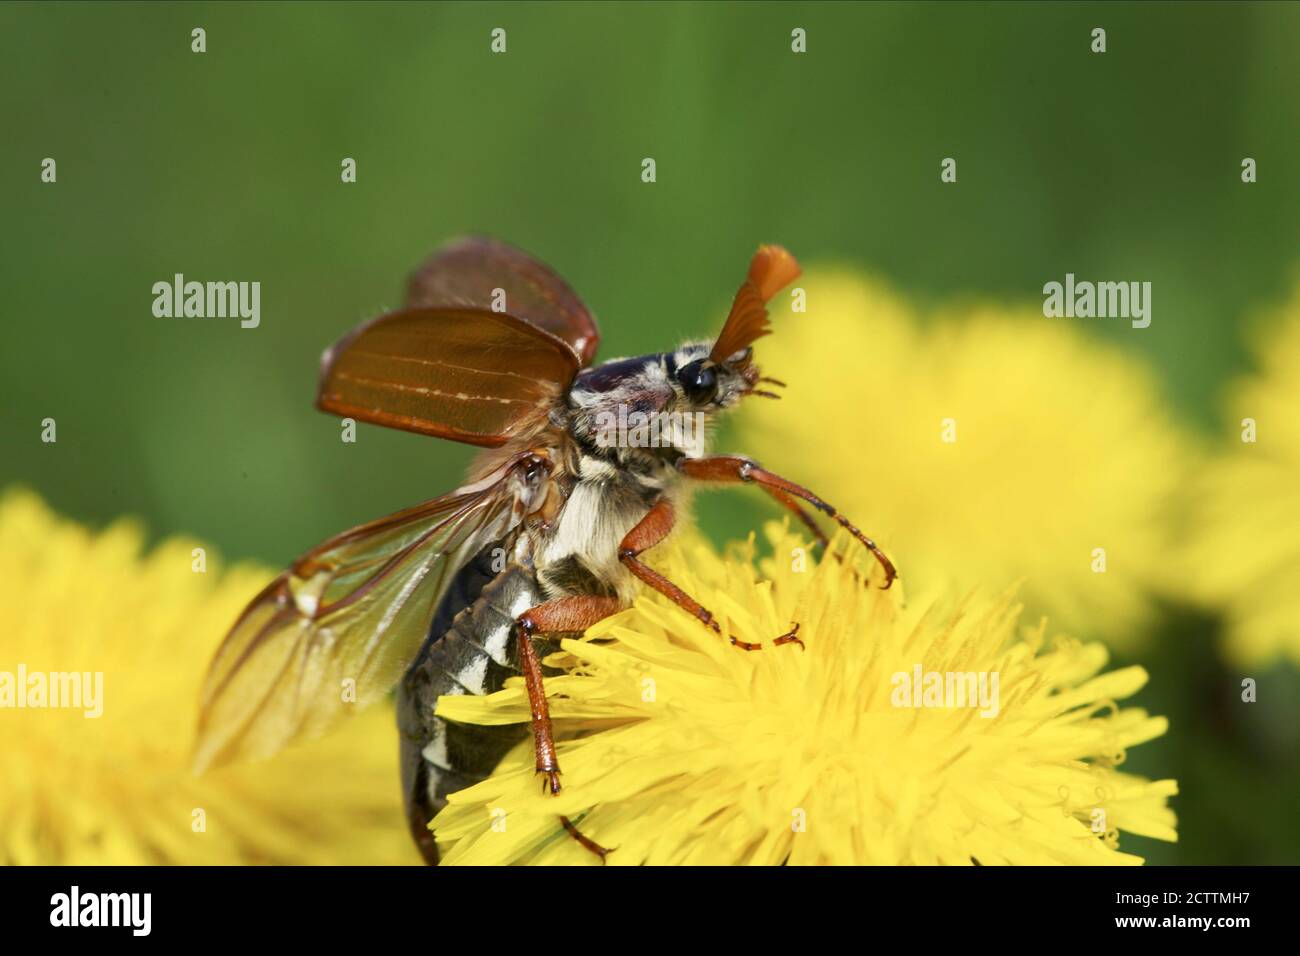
{"x": 471, "y": 649}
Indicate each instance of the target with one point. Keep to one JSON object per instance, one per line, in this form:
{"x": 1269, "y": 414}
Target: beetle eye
{"x": 699, "y": 381}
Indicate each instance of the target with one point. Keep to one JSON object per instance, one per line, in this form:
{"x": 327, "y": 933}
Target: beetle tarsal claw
{"x": 790, "y": 637}
{"x": 551, "y": 782}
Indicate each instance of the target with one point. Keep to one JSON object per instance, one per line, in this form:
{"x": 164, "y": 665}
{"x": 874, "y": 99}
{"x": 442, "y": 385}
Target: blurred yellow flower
{"x": 1244, "y": 552}
{"x": 678, "y": 748}
{"x": 981, "y": 447}
{"x": 116, "y": 788}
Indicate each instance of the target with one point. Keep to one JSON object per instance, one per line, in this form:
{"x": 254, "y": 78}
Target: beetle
{"x": 546, "y": 537}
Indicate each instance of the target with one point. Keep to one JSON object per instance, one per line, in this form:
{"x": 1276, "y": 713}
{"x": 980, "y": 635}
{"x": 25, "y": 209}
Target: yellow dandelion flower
{"x": 678, "y": 748}
{"x": 1243, "y": 555}
{"x": 129, "y": 635}
{"x": 981, "y": 447}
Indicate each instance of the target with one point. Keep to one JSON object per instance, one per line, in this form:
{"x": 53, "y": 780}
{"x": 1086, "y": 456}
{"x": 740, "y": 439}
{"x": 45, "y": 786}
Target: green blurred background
{"x": 225, "y": 166}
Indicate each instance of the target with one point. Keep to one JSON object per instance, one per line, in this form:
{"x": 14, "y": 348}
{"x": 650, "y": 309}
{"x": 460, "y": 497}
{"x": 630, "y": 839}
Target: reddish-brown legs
{"x": 587, "y": 842}
{"x": 732, "y": 468}
{"x": 569, "y": 614}
{"x": 809, "y": 522}
{"x": 648, "y": 532}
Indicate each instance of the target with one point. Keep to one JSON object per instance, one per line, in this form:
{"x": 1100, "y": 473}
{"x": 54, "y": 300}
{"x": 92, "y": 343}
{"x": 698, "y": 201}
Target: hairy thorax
{"x": 610, "y": 490}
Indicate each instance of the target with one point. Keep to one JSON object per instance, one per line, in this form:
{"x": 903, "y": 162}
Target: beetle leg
{"x": 809, "y": 522}
{"x": 733, "y": 468}
{"x": 562, "y": 615}
{"x": 587, "y": 842}
{"x": 566, "y": 614}
{"x": 648, "y": 532}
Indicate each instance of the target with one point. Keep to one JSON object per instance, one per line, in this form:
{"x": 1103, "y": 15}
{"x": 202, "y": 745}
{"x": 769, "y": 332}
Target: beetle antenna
{"x": 771, "y": 269}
